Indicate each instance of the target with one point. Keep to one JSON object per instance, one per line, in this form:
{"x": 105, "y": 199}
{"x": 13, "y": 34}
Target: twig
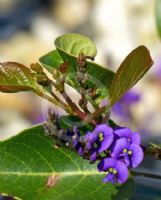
{"x": 54, "y": 101}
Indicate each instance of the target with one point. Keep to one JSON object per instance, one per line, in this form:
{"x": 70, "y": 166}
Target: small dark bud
{"x": 154, "y": 150}
{"x": 56, "y": 74}
{"x": 83, "y": 104}
{"x": 36, "y": 67}
{"x": 92, "y": 92}
{"x": 81, "y": 60}
{"x": 51, "y": 115}
{"x": 64, "y": 67}
{"x": 60, "y": 86}
{"x": 42, "y": 79}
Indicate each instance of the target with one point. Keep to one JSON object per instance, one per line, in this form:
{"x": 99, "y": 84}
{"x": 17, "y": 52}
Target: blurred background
{"x": 28, "y": 29}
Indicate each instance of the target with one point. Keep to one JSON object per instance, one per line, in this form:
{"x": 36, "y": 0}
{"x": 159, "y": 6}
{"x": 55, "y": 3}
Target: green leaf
{"x": 126, "y": 190}
{"x": 135, "y": 65}
{"x": 51, "y": 61}
{"x": 74, "y": 44}
{"x": 15, "y": 77}
{"x": 158, "y": 15}
{"x": 71, "y": 45}
{"x": 29, "y": 160}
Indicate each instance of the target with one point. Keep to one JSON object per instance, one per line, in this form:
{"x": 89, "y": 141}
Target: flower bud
{"x": 37, "y": 68}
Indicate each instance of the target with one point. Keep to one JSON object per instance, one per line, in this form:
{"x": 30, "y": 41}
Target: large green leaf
{"x": 135, "y": 65}
{"x": 15, "y": 77}
{"x": 158, "y": 15}
{"x": 29, "y": 159}
{"x": 74, "y": 44}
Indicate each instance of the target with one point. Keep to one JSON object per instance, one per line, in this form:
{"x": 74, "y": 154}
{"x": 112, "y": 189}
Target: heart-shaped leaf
{"x": 135, "y": 65}
{"x": 31, "y": 168}
{"x": 15, "y": 77}
{"x": 74, "y": 44}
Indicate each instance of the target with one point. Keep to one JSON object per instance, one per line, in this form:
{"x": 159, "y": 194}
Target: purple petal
{"x": 89, "y": 139}
{"x": 131, "y": 97}
{"x": 122, "y": 172}
{"x": 106, "y": 163}
{"x": 137, "y": 155}
{"x": 107, "y": 141}
{"x": 135, "y": 138}
{"x": 103, "y": 128}
{"x": 88, "y": 145}
{"x": 76, "y": 131}
{"x": 109, "y": 178}
{"x": 87, "y": 136}
{"x": 93, "y": 156}
{"x": 80, "y": 151}
{"x": 127, "y": 160}
{"x": 123, "y": 132}
{"x": 119, "y": 146}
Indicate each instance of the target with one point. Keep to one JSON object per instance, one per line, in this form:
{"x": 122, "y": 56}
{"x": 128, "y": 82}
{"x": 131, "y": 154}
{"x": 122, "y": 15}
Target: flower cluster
{"x": 117, "y": 149}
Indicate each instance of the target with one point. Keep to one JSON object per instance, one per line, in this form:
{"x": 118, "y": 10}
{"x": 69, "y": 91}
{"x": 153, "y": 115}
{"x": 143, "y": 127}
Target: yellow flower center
{"x": 111, "y": 169}
{"x": 114, "y": 171}
{"x": 130, "y": 153}
{"x": 101, "y": 137}
{"x": 125, "y": 150}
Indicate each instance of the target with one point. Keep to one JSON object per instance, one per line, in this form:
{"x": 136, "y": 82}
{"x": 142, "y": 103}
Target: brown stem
{"x": 99, "y": 111}
{"x": 55, "y": 97}
{"x": 83, "y": 101}
{"x": 106, "y": 117}
{"x": 54, "y": 101}
{"x": 74, "y": 107}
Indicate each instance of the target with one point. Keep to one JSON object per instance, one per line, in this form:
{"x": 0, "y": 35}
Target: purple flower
{"x": 78, "y": 146}
{"x": 117, "y": 171}
{"x": 75, "y": 134}
{"x": 99, "y": 140}
{"x": 122, "y": 107}
{"x": 116, "y": 148}
{"x": 131, "y": 154}
{"x": 131, "y": 97}
{"x": 133, "y": 138}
